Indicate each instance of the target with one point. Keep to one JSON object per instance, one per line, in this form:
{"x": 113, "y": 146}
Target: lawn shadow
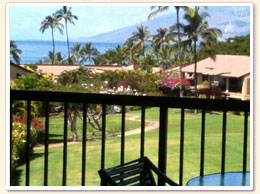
{"x": 16, "y": 178}
{"x": 53, "y": 138}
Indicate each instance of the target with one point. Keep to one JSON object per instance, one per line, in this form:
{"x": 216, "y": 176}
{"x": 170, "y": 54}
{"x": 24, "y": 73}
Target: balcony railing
{"x": 164, "y": 103}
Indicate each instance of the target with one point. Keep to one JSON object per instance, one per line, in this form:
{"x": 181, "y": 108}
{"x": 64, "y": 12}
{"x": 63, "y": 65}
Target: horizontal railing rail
{"x": 164, "y": 103}
{"x": 148, "y": 101}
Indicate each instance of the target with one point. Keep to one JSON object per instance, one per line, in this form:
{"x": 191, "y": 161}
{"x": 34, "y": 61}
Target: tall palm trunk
{"x": 143, "y": 49}
{"x": 195, "y": 67}
{"x": 68, "y": 45}
{"x": 89, "y": 59}
{"x": 179, "y": 46}
{"x": 53, "y": 45}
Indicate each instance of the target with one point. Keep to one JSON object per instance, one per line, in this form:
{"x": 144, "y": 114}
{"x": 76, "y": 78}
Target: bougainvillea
{"x": 34, "y": 123}
{"x": 172, "y": 83}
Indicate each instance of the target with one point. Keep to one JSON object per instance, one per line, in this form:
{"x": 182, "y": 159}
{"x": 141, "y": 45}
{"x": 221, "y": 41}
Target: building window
{"x": 204, "y": 78}
{"x": 235, "y": 85}
{"x": 18, "y": 75}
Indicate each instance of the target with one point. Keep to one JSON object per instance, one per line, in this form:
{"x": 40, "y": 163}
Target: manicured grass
{"x": 113, "y": 127}
{"x": 234, "y": 151}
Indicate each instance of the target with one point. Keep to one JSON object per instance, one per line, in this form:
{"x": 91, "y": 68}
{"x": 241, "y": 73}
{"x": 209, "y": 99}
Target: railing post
{"x": 142, "y": 131}
{"x": 181, "y": 147}
{"x": 122, "y": 155}
{"x": 202, "y": 148}
{"x": 27, "y": 148}
{"x": 103, "y": 142}
{"x": 84, "y": 139}
{"x": 245, "y": 141}
{"x": 46, "y": 152}
{"x": 223, "y": 157}
{"x": 64, "y": 175}
{"x": 163, "y": 130}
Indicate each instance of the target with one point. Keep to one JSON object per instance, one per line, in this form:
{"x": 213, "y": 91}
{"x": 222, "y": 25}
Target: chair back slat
{"x": 128, "y": 174}
{"x": 118, "y": 170}
{"x": 130, "y": 181}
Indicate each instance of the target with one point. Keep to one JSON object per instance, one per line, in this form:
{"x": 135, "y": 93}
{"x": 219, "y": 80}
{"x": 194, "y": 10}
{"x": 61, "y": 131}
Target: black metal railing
{"x": 164, "y": 103}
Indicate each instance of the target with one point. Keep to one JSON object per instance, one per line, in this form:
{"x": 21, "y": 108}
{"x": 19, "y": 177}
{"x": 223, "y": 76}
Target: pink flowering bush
{"x": 171, "y": 86}
{"x": 172, "y": 83}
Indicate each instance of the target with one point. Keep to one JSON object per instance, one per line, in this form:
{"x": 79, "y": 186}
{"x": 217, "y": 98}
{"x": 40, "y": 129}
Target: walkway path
{"x": 151, "y": 125}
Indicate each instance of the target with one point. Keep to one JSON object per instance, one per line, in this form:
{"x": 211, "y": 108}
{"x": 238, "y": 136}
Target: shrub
{"x": 171, "y": 86}
{"x": 212, "y": 90}
{"x": 19, "y": 133}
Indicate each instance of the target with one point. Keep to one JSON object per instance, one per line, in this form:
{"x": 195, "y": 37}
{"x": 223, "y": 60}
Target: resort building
{"x": 57, "y": 69}
{"x": 17, "y": 70}
{"x": 229, "y": 72}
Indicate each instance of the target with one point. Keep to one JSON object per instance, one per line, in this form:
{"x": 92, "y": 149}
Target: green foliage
{"x": 19, "y": 109}
{"x": 238, "y": 45}
{"x": 147, "y": 63}
{"x": 81, "y": 77}
{"x": 31, "y": 81}
{"x": 113, "y": 77}
{"x": 19, "y": 142}
{"x": 14, "y": 53}
{"x": 34, "y": 67}
{"x": 138, "y": 80}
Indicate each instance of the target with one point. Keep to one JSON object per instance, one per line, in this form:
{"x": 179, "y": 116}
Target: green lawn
{"x": 132, "y": 150}
{"x": 113, "y": 127}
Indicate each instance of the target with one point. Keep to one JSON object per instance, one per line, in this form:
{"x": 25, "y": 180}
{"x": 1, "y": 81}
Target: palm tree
{"x": 54, "y": 59}
{"x": 130, "y": 48}
{"x": 198, "y": 30}
{"x": 161, "y": 39}
{"x": 14, "y": 52}
{"x": 177, "y": 8}
{"x": 76, "y": 52}
{"x": 68, "y": 17}
{"x": 88, "y": 53}
{"x": 52, "y": 22}
{"x": 140, "y": 37}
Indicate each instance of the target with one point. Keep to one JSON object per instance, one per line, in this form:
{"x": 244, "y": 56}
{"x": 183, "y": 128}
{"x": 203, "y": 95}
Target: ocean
{"x": 33, "y": 51}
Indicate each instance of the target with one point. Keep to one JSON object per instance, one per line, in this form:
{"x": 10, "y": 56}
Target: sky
{"x": 25, "y": 20}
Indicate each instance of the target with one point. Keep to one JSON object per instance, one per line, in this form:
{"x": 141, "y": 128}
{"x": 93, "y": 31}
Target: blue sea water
{"x": 33, "y": 51}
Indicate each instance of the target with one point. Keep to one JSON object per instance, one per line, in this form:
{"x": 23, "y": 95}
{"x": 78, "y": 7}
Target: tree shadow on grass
{"x": 17, "y": 174}
{"x": 16, "y": 178}
{"x": 53, "y": 138}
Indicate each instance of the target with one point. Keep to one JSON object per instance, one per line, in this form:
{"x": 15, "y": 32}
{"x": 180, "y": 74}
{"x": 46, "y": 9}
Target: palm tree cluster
{"x": 14, "y": 53}
{"x": 54, "y": 22}
{"x": 174, "y": 46}
{"x": 195, "y": 31}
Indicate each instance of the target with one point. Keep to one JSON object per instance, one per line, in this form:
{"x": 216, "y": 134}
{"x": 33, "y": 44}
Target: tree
{"x": 130, "y": 49}
{"x": 14, "y": 53}
{"x": 147, "y": 63}
{"x": 177, "y": 8}
{"x": 140, "y": 37}
{"x": 162, "y": 47}
{"x": 238, "y": 45}
{"x": 88, "y": 53}
{"x": 52, "y": 22}
{"x": 161, "y": 39}
{"x": 53, "y": 59}
{"x": 116, "y": 56}
{"x": 81, "y": 80}
{"x": 67, "y": 15}
{"x": 76, "y": 53}
{"x": 198, "y": 30}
